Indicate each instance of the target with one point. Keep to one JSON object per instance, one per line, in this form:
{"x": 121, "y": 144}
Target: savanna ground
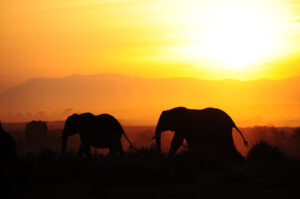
{"x": 271, "y": 168}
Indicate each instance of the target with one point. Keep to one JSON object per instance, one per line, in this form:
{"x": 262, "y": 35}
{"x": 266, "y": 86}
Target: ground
{"x": 41, "y": 171}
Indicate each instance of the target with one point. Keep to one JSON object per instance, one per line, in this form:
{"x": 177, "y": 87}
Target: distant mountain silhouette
{"x": 141, "y": 100}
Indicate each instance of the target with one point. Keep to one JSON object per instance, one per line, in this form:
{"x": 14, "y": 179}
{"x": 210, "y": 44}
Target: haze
{"x": 140, "y": 101}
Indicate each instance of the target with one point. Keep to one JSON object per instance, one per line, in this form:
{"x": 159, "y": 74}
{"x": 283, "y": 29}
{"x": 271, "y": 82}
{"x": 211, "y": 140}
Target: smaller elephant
{"x": 7, "y": 145}
{"x": 36, "y": 130}
{"x": 100, "y": 131}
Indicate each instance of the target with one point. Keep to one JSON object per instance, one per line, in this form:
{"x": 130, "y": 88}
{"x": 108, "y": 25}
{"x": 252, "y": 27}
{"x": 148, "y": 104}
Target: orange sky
{"x": 214, "y": 39}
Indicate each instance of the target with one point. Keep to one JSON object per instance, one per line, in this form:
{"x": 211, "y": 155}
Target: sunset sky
{"x": 214, "y": 39}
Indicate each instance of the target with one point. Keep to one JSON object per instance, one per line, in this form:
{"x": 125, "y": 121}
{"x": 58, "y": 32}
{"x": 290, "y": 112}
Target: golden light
{"x": 215, "y": 39}
{"x": 233, "y": 37}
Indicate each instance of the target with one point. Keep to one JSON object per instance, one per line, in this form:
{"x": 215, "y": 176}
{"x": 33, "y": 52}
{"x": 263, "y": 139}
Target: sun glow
{"x": 233, "y": 37}
{"x": 215, "y": 39}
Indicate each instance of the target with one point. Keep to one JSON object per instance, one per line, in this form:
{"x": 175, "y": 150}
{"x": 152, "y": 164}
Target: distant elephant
{"x": 208, "y": 128}
{"x": 100, "y": 131}
{"x": 7, "y": 145}
{"x": 36, "y": 131}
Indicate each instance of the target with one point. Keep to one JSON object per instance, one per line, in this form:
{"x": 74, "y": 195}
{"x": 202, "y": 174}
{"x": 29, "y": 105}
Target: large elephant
{"x": 208, "y": 128}
{"x": 7, "y": 145}
{"x": 100, "y": 131}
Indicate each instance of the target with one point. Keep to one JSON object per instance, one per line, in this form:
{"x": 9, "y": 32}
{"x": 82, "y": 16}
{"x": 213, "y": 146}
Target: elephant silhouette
{"x": 36, "y": 131}
{"x": 100, "y": 131}
{"x": 207, "y": 129}
{"x": 7, "y": 145}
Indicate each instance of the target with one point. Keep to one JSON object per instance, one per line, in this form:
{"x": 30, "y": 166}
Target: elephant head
{"x": 71, "y": 128}
{"x": 168, "y": 121}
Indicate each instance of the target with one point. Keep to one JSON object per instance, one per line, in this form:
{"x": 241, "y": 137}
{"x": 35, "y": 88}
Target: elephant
{"x": 7, "y": 145}
{"x": 100, "y": 131}
{"x": 208, "y": 128}
{"x": 36, "y": 130}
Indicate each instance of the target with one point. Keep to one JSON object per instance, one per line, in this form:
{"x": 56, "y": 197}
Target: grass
{"x": 142, "y": 173}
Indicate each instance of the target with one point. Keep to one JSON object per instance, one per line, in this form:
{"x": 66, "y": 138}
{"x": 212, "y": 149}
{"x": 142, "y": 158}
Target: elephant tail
{"x": 131, "y": 145}
{"x": 245, "y": 142}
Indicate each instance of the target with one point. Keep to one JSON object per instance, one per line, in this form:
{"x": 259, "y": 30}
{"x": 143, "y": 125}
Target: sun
{"x": 232, "y": 37}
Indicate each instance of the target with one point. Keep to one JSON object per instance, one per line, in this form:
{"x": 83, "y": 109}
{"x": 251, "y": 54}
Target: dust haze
{"x": 139, "y": 101}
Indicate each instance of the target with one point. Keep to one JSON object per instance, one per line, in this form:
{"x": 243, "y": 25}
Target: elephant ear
{"x": 75, "y": 118}
{"x": 176, "y": 115}
{"x": 72, "y": 118}
{"x": 171, "y": 119}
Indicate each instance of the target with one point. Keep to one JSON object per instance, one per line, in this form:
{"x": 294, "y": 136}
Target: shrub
{"x": 264, "y": 152}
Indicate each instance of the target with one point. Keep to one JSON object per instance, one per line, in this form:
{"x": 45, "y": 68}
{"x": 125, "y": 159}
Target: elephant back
{"x": 215, "y": 118}
{"x": 100, "y": 130}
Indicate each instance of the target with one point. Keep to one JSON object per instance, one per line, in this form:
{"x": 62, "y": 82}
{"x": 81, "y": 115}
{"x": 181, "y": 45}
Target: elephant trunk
{"x": 158, "y": 138}
{"x": 64, "y": 142}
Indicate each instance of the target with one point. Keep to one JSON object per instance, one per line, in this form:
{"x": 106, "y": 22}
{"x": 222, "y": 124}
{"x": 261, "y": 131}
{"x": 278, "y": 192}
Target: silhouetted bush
{"x": 264, "y": 152}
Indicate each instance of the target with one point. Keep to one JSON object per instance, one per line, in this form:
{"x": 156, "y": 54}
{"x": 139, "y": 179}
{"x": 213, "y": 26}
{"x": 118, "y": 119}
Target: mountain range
{"x": 138, "y": 100}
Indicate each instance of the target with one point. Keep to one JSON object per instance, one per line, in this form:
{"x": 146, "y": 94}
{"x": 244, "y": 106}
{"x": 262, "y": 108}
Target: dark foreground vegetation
{"x": 142, "y": 173}
{"x": 271, "y": 169}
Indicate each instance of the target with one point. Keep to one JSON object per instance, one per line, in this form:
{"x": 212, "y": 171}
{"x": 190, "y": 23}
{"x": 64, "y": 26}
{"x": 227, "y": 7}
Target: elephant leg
{"x": 81, "y": 150}
{"x": 112, "y": 151}
{"x": 85, "y": 148}
{"x": 120, "y": 148}
{"x": 116, "y": 148}
{"x": 176, "y": 143}
{"x": 194, "y": 145}
{"x": 230, "y": 149}
{"x": 88, "y": 151}
{"x": 189, "y": 142}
